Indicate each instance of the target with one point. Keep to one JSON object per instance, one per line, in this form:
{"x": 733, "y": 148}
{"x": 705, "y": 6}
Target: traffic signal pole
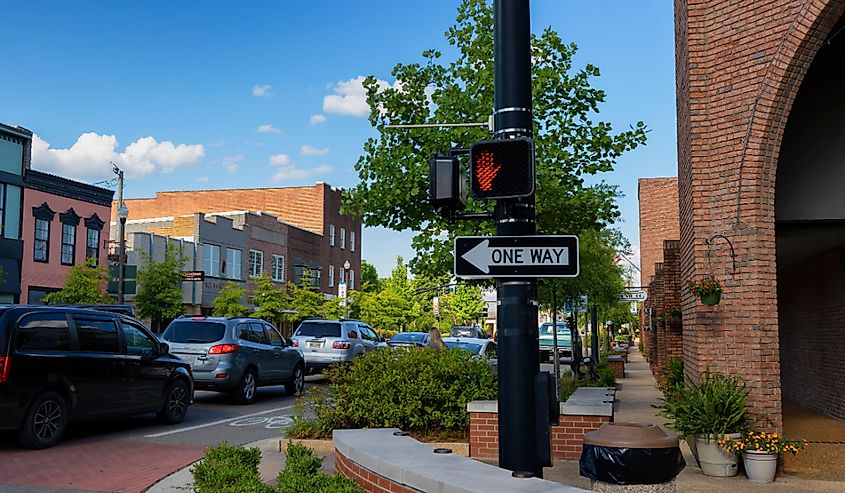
{"x": 517, "y": 313}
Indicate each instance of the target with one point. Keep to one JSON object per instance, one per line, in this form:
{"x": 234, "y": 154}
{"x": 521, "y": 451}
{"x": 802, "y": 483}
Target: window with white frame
{"x": 233, "y": 263}
{"x": 278, "y": 268}
{"x": 331, "y": 234}
{"x": 211, "y": 260}
{"x": 342, "y": 238}
{"x": 256, "y": 263}
{"x": 68, "y": 244}
{"x": 342, "y": 274}
{"x": 351, "y": 241}
{"x": 331, "y": 276}
{"x": 351, "y": 280}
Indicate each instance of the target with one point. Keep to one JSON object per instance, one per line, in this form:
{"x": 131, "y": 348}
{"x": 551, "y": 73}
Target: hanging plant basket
{"x": 711, "y": 299}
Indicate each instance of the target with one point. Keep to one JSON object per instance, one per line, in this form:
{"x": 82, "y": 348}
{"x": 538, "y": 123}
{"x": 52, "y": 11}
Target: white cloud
{"x": 286, "y": 170}
{"x": 262, "y": 91}
{"x": 316, "y": 119}
{"x": 231, "y": 162}
{"x": 201, "y": 179}
{"x": 308, "y": 150}
{"x": 90, "y": 155}
{"x": 267, "y": 128}
{"x": 351, "y": 97}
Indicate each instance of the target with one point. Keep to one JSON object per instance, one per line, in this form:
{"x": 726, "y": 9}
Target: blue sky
{"x": 188, "y": 95}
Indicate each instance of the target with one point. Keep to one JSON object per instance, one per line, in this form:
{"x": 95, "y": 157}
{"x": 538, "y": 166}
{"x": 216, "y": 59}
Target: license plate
{"x": 315, "y": 344}
{"x": 190, "y": 359}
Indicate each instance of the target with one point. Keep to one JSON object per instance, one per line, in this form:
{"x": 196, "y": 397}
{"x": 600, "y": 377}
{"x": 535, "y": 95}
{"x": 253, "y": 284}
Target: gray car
{"x": 236, "y": 355}
{"x": 327, "y": 342}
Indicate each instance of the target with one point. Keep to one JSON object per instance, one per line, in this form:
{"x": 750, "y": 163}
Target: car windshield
{"x": 471, "y": 347}
{"x": 318, "y": 329}
{"x": 194, "y": 332}
{"x": 547, "y": 329}
{"x": 408, "y": 337}
{"x": 463, "y": 331}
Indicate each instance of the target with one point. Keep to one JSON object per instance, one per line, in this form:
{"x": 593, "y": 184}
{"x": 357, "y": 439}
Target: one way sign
{"x": 483, "y": 257}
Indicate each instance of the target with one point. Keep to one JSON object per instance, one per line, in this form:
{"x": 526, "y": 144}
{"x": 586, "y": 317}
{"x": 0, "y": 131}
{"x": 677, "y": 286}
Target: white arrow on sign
{"x": 482, "y": 256}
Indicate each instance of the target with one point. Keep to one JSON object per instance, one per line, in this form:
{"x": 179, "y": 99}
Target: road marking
{"x": 215, "y": 423}
{"x": 271, "y": 423}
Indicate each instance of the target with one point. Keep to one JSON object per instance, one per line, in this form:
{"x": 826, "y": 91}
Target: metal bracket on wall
{"x": 733, "y": 254}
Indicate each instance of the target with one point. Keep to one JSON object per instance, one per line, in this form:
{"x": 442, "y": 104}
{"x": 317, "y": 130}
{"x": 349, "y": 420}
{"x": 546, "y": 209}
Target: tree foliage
{"x": 160, "y": 287}
{"x": 570, "y": 146}
{"x": 271, "y": 303}
{"x": 370, "y": 282}
{"x": 464, "y": 305}
{"x": 229, "y": 301}
{"x": 85, "y": 283}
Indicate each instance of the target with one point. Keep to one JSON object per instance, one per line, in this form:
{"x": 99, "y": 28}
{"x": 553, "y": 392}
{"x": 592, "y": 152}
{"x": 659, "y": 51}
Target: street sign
{"x": 633, "y": 295}
{"x": 435, "y": 305}
{"x": 341, "y": 292}
{"x": 485, "y": 257}
{"x": 193, "y": 276}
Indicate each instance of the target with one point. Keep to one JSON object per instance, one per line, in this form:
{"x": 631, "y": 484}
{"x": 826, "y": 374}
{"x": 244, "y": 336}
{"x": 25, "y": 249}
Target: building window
{"x": 92, "y": 242}
{"x": 211, "y": 260}
{"x": 304, "y": 275}
{"x": 331, "y": 276}
{"x": 351, "y": 280}
{"x": 42, "y": 240}
{"x": 278, "y": 268}
{"x": 68, "y": 244}
{"x": 233, "y": 263}
{"x": 342, "y": 238}
{"x": 351, "y": 241}
{"x": 10, "y": 211}
{"x": 256, "y": 263}
{"x": 342, "y": 273}
{"x": 331, "y": 234}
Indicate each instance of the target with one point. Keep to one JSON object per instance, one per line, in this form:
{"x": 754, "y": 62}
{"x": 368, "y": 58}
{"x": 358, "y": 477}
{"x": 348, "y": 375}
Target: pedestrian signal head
{"x": 502, "y": 169}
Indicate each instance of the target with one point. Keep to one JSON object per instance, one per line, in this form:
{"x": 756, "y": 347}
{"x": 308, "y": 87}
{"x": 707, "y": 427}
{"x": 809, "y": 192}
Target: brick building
{"x": 309, "y": 210}
{"x": 759, "y": 105}
{"x": 15, "y": 155}
{"x": 64, "y": 224}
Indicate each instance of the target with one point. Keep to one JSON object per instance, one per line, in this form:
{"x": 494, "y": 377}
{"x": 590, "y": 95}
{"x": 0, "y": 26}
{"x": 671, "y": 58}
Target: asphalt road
{"x": 212, "y": 419}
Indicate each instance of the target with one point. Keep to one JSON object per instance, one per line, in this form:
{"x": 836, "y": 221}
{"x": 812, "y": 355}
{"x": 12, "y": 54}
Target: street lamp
{"x": 122, "y": 215}
{"x": 346, "y": 266}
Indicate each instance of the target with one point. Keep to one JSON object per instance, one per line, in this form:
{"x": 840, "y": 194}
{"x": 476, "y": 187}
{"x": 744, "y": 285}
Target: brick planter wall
{"x": 367, "y": 479}
{"x": 618, "y": 367}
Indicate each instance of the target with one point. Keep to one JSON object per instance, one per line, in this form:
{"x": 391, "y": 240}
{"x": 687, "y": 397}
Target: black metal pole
{"x": 554, "y": 324}
{"x": 517, "y": 315}
{"x": 594, "y": 343}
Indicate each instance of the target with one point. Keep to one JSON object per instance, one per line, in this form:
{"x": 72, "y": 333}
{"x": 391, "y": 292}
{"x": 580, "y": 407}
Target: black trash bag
{"x": 631, "y": 465}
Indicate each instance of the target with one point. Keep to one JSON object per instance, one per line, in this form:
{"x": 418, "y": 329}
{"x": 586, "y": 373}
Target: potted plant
{"x": 708, "y": 289}
{"x": 673, "y": 313}
{"x": 704, "y": 413}
{"x": 760, "y": 452}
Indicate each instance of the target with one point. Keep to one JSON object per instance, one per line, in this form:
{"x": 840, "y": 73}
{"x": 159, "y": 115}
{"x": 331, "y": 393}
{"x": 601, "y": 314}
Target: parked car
{"x": 468, "y": 331}
{"x": 62, "y": 364}
{"x": 328, "y": 342}
{"x": 480, "y": 348}
{"x": 102, "y": 307}
{"x": 236, "y": 355}
{"x": 546, "y": 341}
{"x": 408, "y": 339}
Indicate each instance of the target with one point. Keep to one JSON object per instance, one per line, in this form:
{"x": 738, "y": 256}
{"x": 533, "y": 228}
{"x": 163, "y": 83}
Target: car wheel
{"x": 44, "y": 422}
{"x": 297, "y": 381}
{"x": 176, "y": 401}
{"x": 245, "y": 392}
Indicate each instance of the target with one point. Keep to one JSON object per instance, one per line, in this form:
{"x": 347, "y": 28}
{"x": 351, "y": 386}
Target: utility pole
{"x": 517, "y": 314}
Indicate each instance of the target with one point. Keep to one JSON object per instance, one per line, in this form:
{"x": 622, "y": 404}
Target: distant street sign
{"x": 633, "y": 295}
{"x": 484, "y": 257}
{"x": 193, "y": 276}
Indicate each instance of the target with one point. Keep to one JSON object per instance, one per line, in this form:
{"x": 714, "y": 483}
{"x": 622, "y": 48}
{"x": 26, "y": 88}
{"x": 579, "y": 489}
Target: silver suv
{"x": 326, "y": 342}
{"x": 236, "y": 355}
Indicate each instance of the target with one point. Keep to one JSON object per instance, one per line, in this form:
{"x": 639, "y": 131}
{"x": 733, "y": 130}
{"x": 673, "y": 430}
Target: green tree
{"x": 229, "y": 301}
{"x": 159, "y": 296}
{"x": 570, "y": 146}
{"x": 271, "y": 303}
{"x": 306, "y": 301}
{"x": 85, "y": 283}
{"x": 464, "y": 305}
{"x": 369, "y": 278}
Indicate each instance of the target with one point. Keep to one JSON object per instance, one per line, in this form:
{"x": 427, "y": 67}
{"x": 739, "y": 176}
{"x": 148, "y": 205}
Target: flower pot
{"x": 713, "y": 459}
{"x": 691, "y": 443}
{"x": 711, "y": 298}
{"x": 760, "y": 466}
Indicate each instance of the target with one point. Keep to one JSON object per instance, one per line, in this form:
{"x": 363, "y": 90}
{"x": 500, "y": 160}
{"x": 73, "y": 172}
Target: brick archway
{"x": 739, "y": 65}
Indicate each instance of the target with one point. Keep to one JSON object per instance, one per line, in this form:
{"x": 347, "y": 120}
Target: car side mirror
{"x": 163, "y": 348}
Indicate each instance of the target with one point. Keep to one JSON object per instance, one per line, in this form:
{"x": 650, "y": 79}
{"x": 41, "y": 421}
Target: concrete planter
{"x": 713, "y": 459}
{"x": 760, "y": 467}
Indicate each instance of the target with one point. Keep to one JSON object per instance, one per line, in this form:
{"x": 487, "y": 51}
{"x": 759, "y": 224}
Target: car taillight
{"x": 341, "y": 345}
{"x": 223, "y": 349}
{"x": 5, "y": 366}
{"x": 294, "y": 343}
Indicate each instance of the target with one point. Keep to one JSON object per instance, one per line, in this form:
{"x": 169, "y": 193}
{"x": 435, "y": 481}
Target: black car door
{"x": 100, "y": 370}
{"x": 147, "y": 374}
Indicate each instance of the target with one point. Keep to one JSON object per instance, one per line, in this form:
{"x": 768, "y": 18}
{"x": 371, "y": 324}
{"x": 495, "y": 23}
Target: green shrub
{"x": 714, "y": 406}
{"x": 302, "y": 474}
{"x": 229, "y": 469}
{"x": 567, "y": 384}
{"x": 423, "y": 390}
{"x": 673, "y": 376}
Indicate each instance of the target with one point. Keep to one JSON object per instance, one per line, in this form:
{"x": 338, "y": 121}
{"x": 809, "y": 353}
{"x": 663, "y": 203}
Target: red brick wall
{"x": 567, "y": 438}
{"x": 658, "y": 198}
{"x": 739, "y": 65}
{"x": 618, "y": 368}
{"x": 812, "y": 323}
{"x": 366, "y": 479}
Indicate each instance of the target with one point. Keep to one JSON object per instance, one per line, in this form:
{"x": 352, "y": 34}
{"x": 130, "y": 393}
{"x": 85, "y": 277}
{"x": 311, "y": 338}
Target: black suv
{"x": 61, "y": 364}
